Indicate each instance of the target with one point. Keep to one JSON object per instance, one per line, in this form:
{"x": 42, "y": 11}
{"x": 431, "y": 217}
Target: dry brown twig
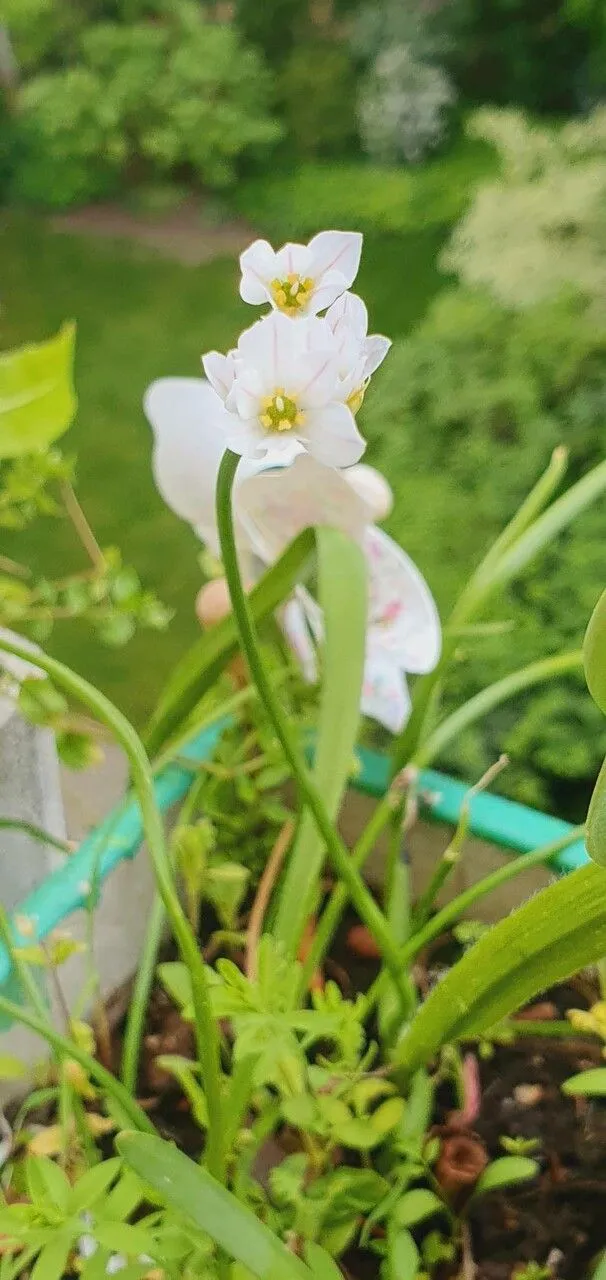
{"x": 268, "y": 879}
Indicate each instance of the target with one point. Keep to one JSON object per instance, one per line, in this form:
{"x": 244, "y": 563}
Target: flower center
{"x": 280, "y": 412}
{"x": 293, "y": 293}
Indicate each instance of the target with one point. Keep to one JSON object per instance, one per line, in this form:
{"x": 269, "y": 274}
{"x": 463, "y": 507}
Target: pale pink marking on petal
{"x": 337, "y": 250}
{"x": 293, "y": 259}
{"x": 320, "y": 380}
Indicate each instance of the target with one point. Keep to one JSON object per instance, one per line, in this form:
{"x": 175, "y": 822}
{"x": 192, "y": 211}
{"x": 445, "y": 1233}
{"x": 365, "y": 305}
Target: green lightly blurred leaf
{"x": 343, "y": 599}
{"x": 37, "y": 398}
{"x": 508, "y": 1171}
{"x": 587, "y": 1084}
{"x": 192, "y": 1191}
{"x": 560, "y": 930}
{"x": 594, "y": 653}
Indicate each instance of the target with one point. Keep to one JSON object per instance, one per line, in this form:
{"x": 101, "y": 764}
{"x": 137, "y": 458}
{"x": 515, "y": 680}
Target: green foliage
{"x": 366, "y": 197}
{"x": 37, "y": 399}
{"x": 143, "y": 98}
{"x": 402, "y": 106}
{"x": 479, "y": 392}
{"x": 539, "y": 228}
{"x": 316, "y": 93}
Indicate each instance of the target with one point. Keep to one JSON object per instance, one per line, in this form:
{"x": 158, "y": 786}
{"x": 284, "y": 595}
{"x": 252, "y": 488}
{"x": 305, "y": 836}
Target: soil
{"x": 560, "y": 1218}
{"x": 189, "y": 234}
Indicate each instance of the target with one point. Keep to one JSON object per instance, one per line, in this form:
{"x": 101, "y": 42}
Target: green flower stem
{"x": 35, "y": 833}
{"x": 340, "y": 857}
{"x": 66, "y": 1049}
{"x": 331, "y": 916}
{"x": 22, "y": 970}
{"x": 205, "y": 1027}
{"x": 453, "y": 910}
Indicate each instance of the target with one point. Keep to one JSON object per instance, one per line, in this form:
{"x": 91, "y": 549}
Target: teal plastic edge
{"x": 502, "y": 822}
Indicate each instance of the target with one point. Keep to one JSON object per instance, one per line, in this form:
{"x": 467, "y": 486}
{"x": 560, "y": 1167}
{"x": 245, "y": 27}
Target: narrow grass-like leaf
{"x": 594, "y": 653}
{"x": 192, "y": 1191}
{"x": 342, "y": 596}
{"x": 560, "y": 930}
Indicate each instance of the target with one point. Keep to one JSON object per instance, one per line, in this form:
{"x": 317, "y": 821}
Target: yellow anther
{"x": 284, "y": 424}
{"x": 299, "y": 419}
{"x": 265, "y": 420}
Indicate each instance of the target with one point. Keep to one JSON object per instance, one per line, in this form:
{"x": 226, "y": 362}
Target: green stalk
{"x": 205, "y": 1028}
{"x": 35, "y": 833}
{"x": 146, "y": 969}
{"x": 66, "y": 1049}
{"x": 451, "y": 912}
{"x": 342, "y": 861}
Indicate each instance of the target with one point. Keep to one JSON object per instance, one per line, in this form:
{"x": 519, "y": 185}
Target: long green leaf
{"x": 493, "y": 696}
{"x": 192, "y": 1191}
{"x": 203, "y": 663}
{"x": 596, "y": 821}
{"x": 594, "y": 653}
{"x": 37, "y": 398}
{"x": 557, "y": 932}
{"x": 342, "y": 596}
{"x": 532, "y": 506}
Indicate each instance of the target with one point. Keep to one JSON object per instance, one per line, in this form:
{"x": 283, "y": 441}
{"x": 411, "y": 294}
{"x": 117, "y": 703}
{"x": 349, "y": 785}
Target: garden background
{"x": 142, "y": 144}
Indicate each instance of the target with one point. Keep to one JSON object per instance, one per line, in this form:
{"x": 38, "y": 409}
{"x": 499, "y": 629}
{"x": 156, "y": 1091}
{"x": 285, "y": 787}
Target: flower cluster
{"x": 296, "y": 379}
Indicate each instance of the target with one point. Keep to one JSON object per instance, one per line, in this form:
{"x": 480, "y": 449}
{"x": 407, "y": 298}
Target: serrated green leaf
{"x": 402, "y": 1261}
{"x": 594, "y": 653}
{"x": 51, "y": 1263}
{"x": 47, "y": 1184}
{"x": 508, "y": 1171}
{"x": 343, "y": 599}
{"x": 191, "y": 1190}
{"x": 590, "y": 1084}
{"x": 560, "y": 930}
{"x": 93, "y": 1185}
{"x": 416, "y": 1206}
{"x": 37, "y": 398}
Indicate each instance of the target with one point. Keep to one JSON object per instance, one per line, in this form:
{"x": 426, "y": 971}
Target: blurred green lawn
{"x": 140, "y": 317}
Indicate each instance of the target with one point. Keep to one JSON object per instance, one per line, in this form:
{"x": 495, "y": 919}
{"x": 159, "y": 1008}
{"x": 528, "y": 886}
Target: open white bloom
{"x": 358, "y": 354}
{"x": 282, "y": 387}
{"x": 301, "y": 280}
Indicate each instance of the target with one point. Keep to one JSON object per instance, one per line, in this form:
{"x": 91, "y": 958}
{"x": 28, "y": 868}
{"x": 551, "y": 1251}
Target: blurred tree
{"x": 540, "y": 227}
{"x": 463, "y": 419}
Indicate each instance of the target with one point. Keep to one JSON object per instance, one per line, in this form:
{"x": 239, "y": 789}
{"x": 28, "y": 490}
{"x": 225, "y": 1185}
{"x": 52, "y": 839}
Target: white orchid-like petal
{"x": 275, "y": 506}
{"x": 375, "y": 350}
{"x": 190, "y": 426}
{"x": 359, "y": 355}
{"x": 220, "y": 371}
{"x": 385, "y": 695}
{"x": 403, "y": 616}
{"x": 373, "y": 488}
{"x": 301, "y": 280}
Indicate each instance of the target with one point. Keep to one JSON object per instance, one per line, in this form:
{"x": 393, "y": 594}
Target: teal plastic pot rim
{"x": 513, "y": 827}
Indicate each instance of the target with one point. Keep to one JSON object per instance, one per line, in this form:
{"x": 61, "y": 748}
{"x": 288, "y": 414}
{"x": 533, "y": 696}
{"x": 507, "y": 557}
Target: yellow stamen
{"x": 280, "y": 412}
{"x": 292, "y": 293}
{"x": 265, "y": 420}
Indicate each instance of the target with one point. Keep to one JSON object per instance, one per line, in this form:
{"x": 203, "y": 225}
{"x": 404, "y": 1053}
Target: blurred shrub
{"x": 539, "y": 227}
{"x": 271, "y": 25}
{"x": 402, "y": 106}
{"x": 364, "y": 197}
{"x": 144, "y": 99}
{"x": 316, "y": 94}
{"x": 426, "y": 28}
{"x": 463, "y": 419}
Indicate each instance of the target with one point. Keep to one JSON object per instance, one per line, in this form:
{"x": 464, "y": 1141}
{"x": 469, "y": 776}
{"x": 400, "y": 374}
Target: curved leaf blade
{"x": 37, "y": 398}
{"x": 595, "y": 838}
{"x": 587, "y": 1084}
{"x": 508, "y": 1171}
{"x": 343, "y": 599}
{"x": 560, "y": 930}
{"x": 185, "y": 1186}
{"x": 594, "y": 653}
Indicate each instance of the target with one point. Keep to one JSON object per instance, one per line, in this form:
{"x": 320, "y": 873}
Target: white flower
{"x": 116, "y": 1263}
{"x": 358, "y": 355}
{"x": 281, "y": 387}
{"x": 301, "y": 279}
{"x": 403, "y": 633}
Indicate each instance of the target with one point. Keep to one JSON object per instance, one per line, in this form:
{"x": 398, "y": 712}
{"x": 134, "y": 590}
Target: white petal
{"x": 331, "y": 286}
{"x": 245, "y": 437}
{"x": 272, "y": 347}
{"x": 385, "y": 695}
{"x": 295, "y": 628}
{"x": 258, "y": 266}
{"x": 219, "y": 370}
{"x": 317, "y": 379}
{"x": 331, "y": 436}
{"x": 247, "y": 393}
{"x": 189, "y": 423}
{"x": 403, "y": 614}
{"x": 350, "y": 311}
{"x": 293, "y": 259}
{"x": 373, "y": 488}
{"x": 375, "y": 350}
{"x": 337, "y": 251}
